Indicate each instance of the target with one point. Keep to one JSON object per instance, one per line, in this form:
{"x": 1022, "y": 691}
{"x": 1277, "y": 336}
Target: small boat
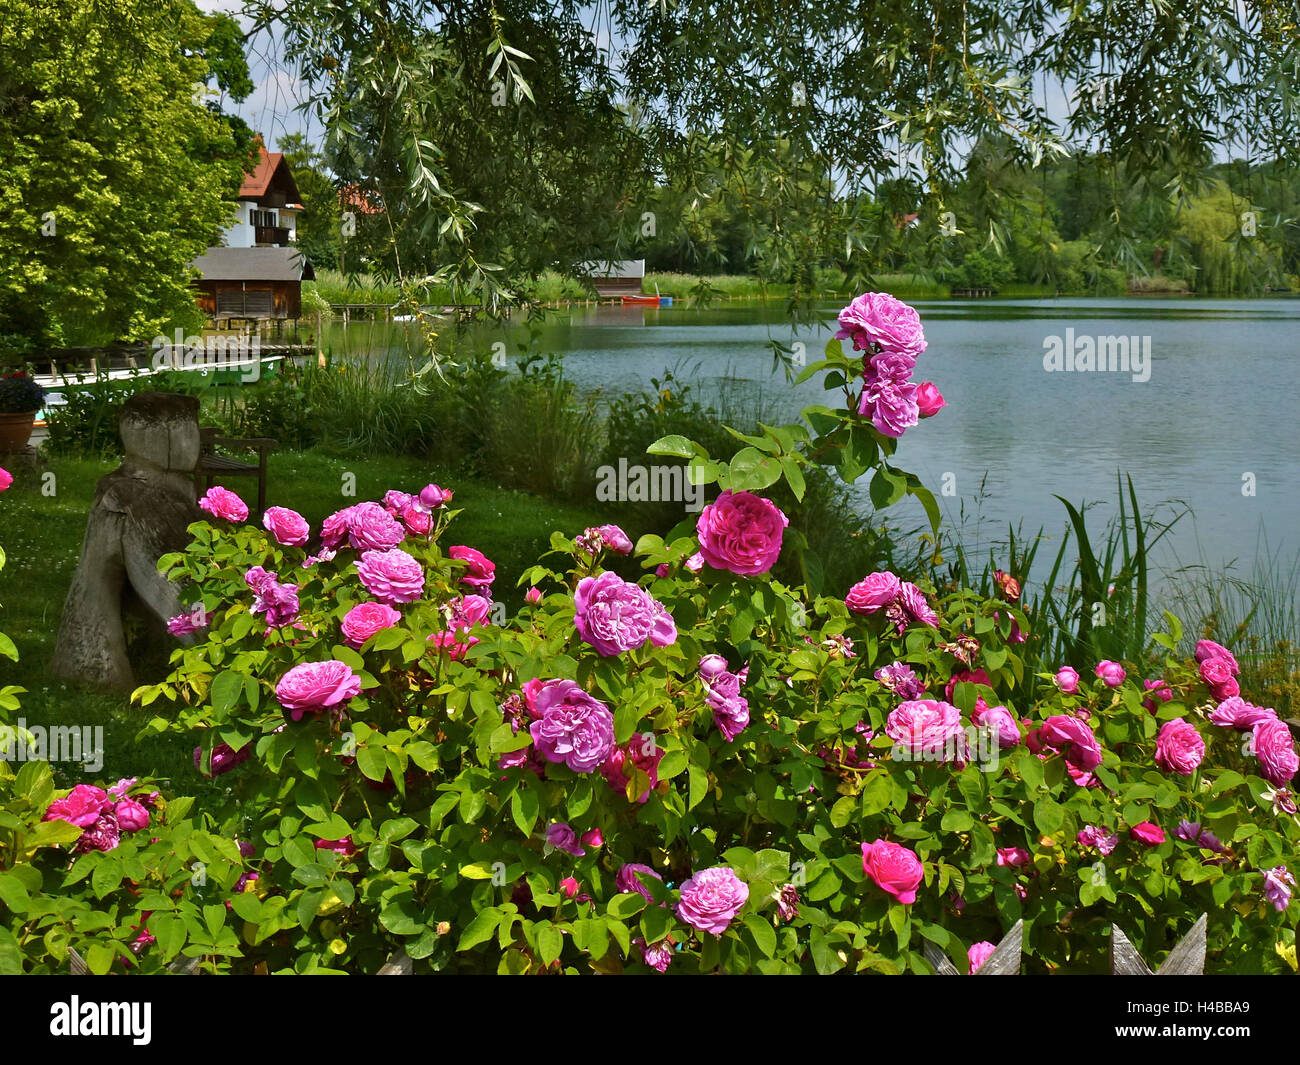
{"x": 647, "y": 301}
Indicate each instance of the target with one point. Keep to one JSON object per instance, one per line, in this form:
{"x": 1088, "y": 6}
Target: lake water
{"x": 1214, "y": 427}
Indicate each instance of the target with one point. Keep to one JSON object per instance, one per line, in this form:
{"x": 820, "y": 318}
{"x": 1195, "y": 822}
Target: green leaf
{"x": 373, "y": 762}
{"x": 675, "y": 445}
{"x": 226, "y": 689}
{"x": 763, "y": 932}
{"x": 550, "y": 941}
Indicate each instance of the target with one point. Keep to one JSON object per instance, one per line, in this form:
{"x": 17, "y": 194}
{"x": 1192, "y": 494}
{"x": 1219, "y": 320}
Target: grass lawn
{"x": 41, "y": 534}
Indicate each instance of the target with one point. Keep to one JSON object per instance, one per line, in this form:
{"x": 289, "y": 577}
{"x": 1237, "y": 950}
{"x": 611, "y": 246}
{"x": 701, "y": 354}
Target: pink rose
{"x": 131, "y": 815}
{"x": 569, "y": 886}
{"x": 1162, "y": 691}
{"x": 480, "y": 570}
{"x": 334, "y": 529}
{"x": 695, "y": 563}
{"x": 1272, "y": 744}
{"x": 999, "y": 720}
{"x": 372, "y": 528}
{"x": 81, "y": 806}
{"x": 533, "y": 595}
{"x": 1179, "y": 747}
{"x": 6, "y": 478}
{"x": 1148, "y": 834}
{"x": 1111, "y": 673}
{"x": 1216, "y": 671}
{"x": 874, "y": 592}
{"x": 1235, "y": 712}
{"x": 711, "y": 899}
{"x": 366, "y": 619}
{"x": 928, "y": 400}
{"x": 344, "y": 847}
{"x": 656, "y": 955}
{"x": 926, "y": 728}
{"x": 629, "y": 879}
{"x": 741, "y": 532}
{"x": 1094, "y": 836}
{"x": 223, "y": 503}
{"x": 1073, "y": 739}
{"x": 878, "y": 318}
{"x": 314, "y": 686}
{"x": 573, "y": 728}
{"x": 615, "y": 539}
{"x": 289, "y": 528}
{"x": 416, "y": 519}
{"x": 914, "y": 602}
{"x": 593, "y": 838}
{"x": 1067, "y": 680}
{"x": 894, "y": 868}
{"x": 1207, "y": 649}
{"x": 391, "y": 576}
{"x": 1015, "y": 857}
{"x": 613, "y": 615}
{"x": 890, "y": 405}
{"x": 978, "y": 954}
{"x": 562, "y": 837}
{"x": 432, "y": 497}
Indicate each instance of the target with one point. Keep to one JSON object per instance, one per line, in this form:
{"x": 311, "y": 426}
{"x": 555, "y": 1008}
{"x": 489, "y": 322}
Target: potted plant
{"x": 20, "y": 398}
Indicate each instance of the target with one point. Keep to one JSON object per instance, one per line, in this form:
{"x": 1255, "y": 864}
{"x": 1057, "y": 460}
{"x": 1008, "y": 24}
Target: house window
{"x": 262, "y": 218}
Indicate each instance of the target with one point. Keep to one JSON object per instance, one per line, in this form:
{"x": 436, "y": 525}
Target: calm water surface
{"x": 1220, "y": 404}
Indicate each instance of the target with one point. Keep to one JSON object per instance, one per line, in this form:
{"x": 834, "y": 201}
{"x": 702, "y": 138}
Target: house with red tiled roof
{"x": 256, "y": 272}
{"x": 267, "y": 209}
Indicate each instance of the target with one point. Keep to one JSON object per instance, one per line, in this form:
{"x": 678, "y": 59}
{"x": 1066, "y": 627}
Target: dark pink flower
{"x": 1074, "y": 740}
{"x": 741, "y": 532}
{"x": 480, "y": 570}
{"x": 1179, "y": 747}
{"x": 573, "y": 728}
{"x": 978, "y": 954}
{"x": 1207, "y": 649}
{"x": 365, "y": 619}
{"x": 289, "y": 528}
{"x": 313, "y": 686}
{"x": 391, "y": 576}
{"x": 1151, "y": 835}
{"x": 929, "y": 400}
{"x": 894, "y": 869}
{"x": 880, "y": 319}
{"x": 82, "y": 806}
{"x": 223, "y": 503}
{"x": 874, "y": 592}
{"x": 1272, "y": 744}
{"x": 131, "y": 816}
{"x": 711, "y": 899}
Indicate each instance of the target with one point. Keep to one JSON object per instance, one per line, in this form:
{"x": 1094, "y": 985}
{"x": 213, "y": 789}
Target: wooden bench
{"x": 213, "y": 466}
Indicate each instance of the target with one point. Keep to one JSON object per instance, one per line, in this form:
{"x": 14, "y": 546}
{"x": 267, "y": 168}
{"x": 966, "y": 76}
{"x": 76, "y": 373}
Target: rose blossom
{"x": 1179, "y": 747}
{"x": 1093, "y": 836}
{"x": 656, "y": 955}
{"x": 533, "y": 595}
{"x": 1278, "y": 883}
{"x": 432, "y": 497}
{"x": 289, "y": 528}
{"x": 1111, "y": 673}
{"x": 978, "y": 954}
{"x": 741, "y": 532}
{"x": 391, "y": 576}
{"x": 1073, "y": 739}
{"x": 966, "y": 676}
{"x": 894, "y": 868}
{"x": 131, "y": 815}
{"x": 81, "y": 806}
{"x": 185, "y": 624}
{"x": 103, "y": 835}
{"x": 1067, "y": 680}
{"x": 6, "y": 478}
{"x": 1000, "y": 720}
{"x": 223, "y": 503}
{"x": 711, "y": 899}
{"x": 416, "y": 519}
{"x": 1014, "y": 856}
{"x": 334, "y": 529}
{"x": 929, "y": 400}
{"x": 613, "y": 615}
{"x": 874, "y": 592}
{"x": 1207, "y": 649}
{"x": 628, "y": 879}
{"x": 562, "y": 837}
{"x": 573, "y": 728}
{"x": 615, "y": 539}
{"x": 1272, "y": 744}
{"x": 891, "y": 406}
{"x": 314, "y": 686}
{"x": 344, "y": 846}
{"x": 901, "y": 680}
{"x": 366, "y": 619}
{"x": 372, "y": 528}
{"x": 1162, "y": 691}
{"x": 914, "y": 602}
{"x": 480, "y": 570}
{"x": 1150, "y": 834}
{"x": 1235, "y": 712}
{"x": 926, "y": 728}
{"x": 1216, "y": 672}
{"x": 224, "y": 758}
{"x": 878, "y": 318}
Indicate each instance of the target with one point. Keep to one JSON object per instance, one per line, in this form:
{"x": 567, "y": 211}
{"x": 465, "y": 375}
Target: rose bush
{"x": 534, "y": 804}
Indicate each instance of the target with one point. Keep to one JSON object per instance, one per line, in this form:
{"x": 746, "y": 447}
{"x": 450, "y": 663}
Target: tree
{"x": 115, "y": 174}
{"x": 866, "y": 94}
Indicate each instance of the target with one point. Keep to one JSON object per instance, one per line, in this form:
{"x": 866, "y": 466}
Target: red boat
{"x": 649, "y": 301}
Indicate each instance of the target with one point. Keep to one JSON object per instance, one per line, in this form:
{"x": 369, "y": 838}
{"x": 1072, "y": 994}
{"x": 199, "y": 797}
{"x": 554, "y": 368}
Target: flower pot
{"x": 16, "y": 430}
